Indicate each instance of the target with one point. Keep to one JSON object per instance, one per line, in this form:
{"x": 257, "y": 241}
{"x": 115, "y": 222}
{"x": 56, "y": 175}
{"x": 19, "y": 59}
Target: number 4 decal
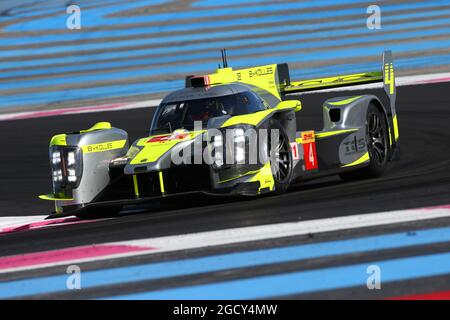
{"x": 309, "y": 150}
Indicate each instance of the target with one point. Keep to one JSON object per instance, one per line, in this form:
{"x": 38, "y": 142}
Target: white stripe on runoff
{"x": 255, "y": 233}
{"x": 282, "y": 230}
{"x": 400, "y": 81}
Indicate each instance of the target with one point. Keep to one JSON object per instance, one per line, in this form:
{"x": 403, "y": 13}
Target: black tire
{"x": 280, "y": 158}
{"x": 377, "y": 140}
{"x": 99, "y": 213}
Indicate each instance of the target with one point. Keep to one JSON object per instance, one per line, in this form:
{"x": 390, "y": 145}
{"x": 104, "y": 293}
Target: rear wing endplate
{"x": 391, "y": 92}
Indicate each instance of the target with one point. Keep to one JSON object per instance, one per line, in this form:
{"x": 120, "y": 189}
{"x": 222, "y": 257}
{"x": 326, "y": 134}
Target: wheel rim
{"x": 377, "y": 142}
{"x": 279, "y": 159}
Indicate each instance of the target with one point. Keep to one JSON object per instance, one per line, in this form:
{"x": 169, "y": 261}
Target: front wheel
{"x": 377, "y": 140}
{"x": 280, "y": 156}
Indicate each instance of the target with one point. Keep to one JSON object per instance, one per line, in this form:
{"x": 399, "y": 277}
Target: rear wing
{"x": 385, "y": 76}
{"x": 333, "y": 82}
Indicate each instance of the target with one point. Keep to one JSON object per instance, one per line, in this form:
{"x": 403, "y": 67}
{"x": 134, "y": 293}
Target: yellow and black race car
{"x": 233, "y": 132}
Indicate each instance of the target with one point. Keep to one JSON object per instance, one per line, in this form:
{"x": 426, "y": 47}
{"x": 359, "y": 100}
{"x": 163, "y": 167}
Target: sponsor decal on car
{"x": 309, "y": 150}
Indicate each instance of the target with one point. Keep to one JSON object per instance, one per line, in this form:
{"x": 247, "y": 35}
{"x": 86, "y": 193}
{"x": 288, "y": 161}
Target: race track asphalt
{"x": 420, "y": 178}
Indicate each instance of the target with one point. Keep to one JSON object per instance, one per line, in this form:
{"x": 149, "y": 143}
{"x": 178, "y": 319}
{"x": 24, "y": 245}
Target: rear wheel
{"x": 377, "y": 140}
{"x": 280, "y": 157}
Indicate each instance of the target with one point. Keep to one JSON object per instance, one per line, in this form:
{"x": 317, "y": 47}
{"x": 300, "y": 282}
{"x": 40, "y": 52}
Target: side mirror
{"x": 290, "y": 104}
{"x": 298, "y": 106}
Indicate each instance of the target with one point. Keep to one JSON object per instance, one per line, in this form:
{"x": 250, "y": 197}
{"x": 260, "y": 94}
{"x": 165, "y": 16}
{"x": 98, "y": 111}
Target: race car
{"x": 232, "y": 132}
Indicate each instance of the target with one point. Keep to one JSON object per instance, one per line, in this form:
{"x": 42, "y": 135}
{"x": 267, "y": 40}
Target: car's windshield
{"x": 182, "y": 114}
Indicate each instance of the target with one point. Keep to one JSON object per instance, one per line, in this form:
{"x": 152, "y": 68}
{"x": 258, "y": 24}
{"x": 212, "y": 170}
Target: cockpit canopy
{"x": 173, "y": 114}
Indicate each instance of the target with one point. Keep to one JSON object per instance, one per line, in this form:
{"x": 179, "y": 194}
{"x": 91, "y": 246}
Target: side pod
{"x": 79, "y": 163}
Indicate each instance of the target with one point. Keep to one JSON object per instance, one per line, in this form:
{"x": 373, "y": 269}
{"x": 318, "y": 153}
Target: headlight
{"x": 57, "y": 175}
{"x": 71, "y": 158}
{"x": 66, "y": 165}
{"x": 217, "y": 155}
{"x": 239, "y": 145}
{"x": 218, "y": 141}
{"x": 56, "y": 157}
{"x": 231, "y": 146}
{"x": 239, "y": 135}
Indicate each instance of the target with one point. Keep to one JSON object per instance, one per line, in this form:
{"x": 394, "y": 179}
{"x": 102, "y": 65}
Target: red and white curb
{"x": 123, "y": 249}
{"x": 16, "y": 224}
{"x": 68, "y": 256}
{"x": 400, "y": 81}
{"x": 439, "y": 295}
